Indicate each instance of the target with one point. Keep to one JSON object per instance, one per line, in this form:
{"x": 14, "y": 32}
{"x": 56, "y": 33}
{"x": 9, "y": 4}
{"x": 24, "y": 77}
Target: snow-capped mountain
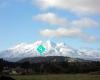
{"x": 25, "y": 50}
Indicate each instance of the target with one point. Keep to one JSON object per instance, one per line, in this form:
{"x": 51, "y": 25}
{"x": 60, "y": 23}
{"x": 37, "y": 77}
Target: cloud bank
{"x": 77, "y": 6}
{"x": 68, "y": 28}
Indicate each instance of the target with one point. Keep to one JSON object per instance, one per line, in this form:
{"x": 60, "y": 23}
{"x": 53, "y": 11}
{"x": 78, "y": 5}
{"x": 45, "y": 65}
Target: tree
{"x": 1, "y": 65}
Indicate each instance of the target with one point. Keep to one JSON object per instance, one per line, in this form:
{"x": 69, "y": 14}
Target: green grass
{"x": 59, "y": 77}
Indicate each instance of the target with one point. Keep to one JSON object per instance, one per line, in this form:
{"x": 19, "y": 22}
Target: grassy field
{"x": 59, "y": 77}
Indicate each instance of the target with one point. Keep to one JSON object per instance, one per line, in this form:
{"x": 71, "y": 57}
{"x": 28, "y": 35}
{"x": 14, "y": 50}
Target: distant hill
{"x": 52, "y": 59}
{"x": 51, "y": 65}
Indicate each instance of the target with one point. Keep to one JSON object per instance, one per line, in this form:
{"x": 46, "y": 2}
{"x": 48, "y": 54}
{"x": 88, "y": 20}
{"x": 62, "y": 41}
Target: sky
{"x": 74, "y": 22}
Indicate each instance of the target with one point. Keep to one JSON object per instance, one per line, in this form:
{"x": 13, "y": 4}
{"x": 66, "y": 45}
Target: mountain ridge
{"x": 25, "y": 50}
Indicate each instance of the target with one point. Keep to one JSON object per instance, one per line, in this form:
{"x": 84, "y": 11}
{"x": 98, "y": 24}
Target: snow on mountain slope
{"x": 24, "y": 50}
{"x": 89, "y": 53}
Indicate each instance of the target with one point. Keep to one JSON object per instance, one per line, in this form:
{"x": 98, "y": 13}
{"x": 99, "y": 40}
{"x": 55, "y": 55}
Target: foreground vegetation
{"x": 49, "y": 65}
{"x": 58, "y": 77}
{"x": 63, "y": 68}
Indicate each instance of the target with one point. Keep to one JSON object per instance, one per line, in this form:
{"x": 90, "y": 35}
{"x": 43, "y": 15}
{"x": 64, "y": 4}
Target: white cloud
{"x": 53, "y": 18}
{"x": 47, "y": 33}
{"x": 69, "y": 28}
{"x": 65, "y": 32}
{"x": 72, "y": 28}
{"x": 50, "y": 18}
{"x": 60, "y": 32}
{"x": 84, "y": 23}
{"x": 77, "y": 6}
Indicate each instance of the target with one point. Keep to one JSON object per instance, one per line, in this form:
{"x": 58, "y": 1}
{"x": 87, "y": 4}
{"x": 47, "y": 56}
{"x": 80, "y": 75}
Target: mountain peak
{"x": 25, "y": 50}
{"x": 19, "y": 46}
